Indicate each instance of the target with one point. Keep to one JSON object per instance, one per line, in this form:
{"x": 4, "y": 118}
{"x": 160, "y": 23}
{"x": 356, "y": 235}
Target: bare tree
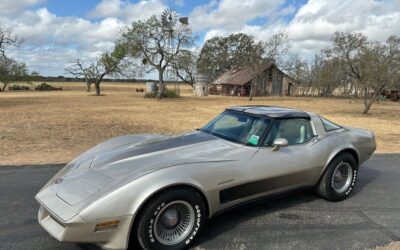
{"x": 299, "y": 69}
{"x": 78, "y": 69}
{"x": 156, "y": 46}
{"x": 7, "y": 39}
{"x": 254, "y": 61}
{"x": 372, "y": 66}
{"x": 257, "y": 54}
{"x": 109, "y": 63}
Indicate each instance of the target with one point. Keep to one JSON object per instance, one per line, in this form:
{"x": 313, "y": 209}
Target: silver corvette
{"x": 155, "y": 191}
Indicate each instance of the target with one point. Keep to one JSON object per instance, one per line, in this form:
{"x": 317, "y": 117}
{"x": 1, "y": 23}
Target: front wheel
{"x": 171, "y": 220}
{"x": 339, "y": 178}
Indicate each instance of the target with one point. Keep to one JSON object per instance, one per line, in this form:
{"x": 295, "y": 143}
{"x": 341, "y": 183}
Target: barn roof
{"x": 239, "y": 76}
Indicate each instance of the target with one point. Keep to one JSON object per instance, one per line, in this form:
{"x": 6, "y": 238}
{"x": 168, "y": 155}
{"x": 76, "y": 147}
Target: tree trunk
{"x": 88, "y": 86}
{"x": 97, "y": 87}
{"x": 368, "y": 101}
{"x": 252, "y": 90}
{"x": 97, "y": 83}
{"x": 161, "y": 84}
{"x": 4, "y": 87}
{"x": 251, "y": 95}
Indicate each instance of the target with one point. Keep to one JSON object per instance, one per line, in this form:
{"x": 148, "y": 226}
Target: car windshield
{"x": 237, "y": 127}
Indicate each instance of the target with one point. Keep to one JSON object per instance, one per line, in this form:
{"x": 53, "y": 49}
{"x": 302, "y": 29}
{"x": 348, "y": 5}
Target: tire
{"x": 181, "y": 210}
{"x": 339, "y": 178}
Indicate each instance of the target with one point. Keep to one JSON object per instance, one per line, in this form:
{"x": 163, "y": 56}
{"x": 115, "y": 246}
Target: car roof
{"x": 271, "y": 111}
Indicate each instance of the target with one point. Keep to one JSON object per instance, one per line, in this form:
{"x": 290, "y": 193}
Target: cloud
{"x": 50, "y": 41}
{"x": 179, "y": 3}
{"x": 232, "y": 14}
{"x": 127, "y": 11}
{"x": 12, "y": 6}
{"x": 314, "y": 23}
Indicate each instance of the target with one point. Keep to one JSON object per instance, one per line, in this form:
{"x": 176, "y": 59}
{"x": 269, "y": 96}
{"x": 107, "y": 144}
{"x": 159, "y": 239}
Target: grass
{"x": 54, "y": 127}
{"x": 390, "y": 246}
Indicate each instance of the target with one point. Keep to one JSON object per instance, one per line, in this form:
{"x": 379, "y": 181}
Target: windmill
{"x": 169, "y": 19}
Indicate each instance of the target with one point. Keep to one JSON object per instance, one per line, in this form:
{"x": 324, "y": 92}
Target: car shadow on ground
{"x": 229, "y": 220}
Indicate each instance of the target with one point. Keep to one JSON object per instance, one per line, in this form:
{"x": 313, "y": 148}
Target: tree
{"x": 253, "y": 60}
{"x": 7, "y": 39}
{"x": 109, "y": 63}
{"x": 185, "y": 67}
{"x": 257, "y": 54}
{"x": 300, "y": 70}
{"x": 220, "y": 54}
{"x": 78, "y": 69}
{"x": 156, "y": 46}
{"x": 372, "y": 66}
{"x": 11, "y": 71}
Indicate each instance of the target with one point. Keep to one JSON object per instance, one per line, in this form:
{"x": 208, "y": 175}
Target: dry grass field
{"x": 53, "y": 127}
{"x": 390, "y": 246}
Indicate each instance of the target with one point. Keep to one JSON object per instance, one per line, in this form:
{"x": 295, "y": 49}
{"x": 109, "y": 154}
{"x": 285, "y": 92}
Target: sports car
{"x": 155, "y": 191}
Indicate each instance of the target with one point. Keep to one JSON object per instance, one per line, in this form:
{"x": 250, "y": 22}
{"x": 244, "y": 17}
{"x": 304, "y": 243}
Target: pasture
{"x": 54, "y": 127}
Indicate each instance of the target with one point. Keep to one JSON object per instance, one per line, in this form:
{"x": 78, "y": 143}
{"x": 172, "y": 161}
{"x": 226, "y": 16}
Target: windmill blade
{"x": 169, "y": 18}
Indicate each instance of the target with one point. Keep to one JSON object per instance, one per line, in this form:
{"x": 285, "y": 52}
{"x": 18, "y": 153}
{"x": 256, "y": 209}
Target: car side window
{"x": 328, "y": 125}
{"x": 295, "y": 131}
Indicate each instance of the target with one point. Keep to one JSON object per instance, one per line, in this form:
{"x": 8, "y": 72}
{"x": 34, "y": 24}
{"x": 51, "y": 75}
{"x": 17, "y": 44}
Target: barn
{"x": 236, "y": 82}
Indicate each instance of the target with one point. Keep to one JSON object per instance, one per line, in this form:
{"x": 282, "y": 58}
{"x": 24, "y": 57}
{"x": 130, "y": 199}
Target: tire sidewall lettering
{"x": 196, "y": 226}
{"x": 151, "y": 222}
{"x": 353, "y": 182}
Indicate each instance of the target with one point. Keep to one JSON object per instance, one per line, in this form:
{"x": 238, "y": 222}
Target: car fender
{"x": 338, "y": 150}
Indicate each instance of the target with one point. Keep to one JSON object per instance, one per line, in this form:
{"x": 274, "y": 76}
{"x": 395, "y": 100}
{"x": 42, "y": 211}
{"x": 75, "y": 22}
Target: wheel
{"x": 171, "y": 220}
{"x": 339, "y": 178}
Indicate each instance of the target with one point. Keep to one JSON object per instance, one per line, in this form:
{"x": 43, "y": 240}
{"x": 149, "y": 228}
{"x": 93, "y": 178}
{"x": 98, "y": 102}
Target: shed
{"x": 237, "y": 82}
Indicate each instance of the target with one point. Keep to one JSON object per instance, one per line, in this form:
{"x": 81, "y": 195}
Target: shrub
{"x": 17, "y": 87}
{"x": 150, "y": 95}
{"x": 168, "y": 93}
{"x": 46, "y": 87}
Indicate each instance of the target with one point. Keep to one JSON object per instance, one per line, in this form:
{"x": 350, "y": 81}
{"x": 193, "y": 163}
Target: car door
{"x": 298, "y": 164}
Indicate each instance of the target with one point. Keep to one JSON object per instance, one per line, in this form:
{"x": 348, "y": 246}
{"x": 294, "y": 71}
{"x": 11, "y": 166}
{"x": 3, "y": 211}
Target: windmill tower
{"x": 169, "y": 19}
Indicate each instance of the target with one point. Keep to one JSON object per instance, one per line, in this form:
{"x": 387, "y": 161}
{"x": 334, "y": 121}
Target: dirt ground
{"x": 390, "y": 246}
{"x": 54, "y": 127}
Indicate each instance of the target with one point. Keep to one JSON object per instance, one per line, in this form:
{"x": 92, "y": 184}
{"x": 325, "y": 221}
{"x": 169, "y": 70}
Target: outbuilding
{"x": 237, "y": 82}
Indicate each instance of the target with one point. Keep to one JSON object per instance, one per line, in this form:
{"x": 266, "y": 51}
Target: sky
{"x": 56, "y": 32}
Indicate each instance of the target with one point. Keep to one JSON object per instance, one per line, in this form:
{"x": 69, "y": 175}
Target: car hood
{"x": 118, "y": 161}
{"x": 158, "y": 152}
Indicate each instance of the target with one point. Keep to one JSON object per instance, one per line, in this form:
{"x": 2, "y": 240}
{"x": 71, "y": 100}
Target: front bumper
{"x": 79, "y": 230}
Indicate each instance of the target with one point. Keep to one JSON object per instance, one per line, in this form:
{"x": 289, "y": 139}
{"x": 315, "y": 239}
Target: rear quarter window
{"x": 328, "y": 125}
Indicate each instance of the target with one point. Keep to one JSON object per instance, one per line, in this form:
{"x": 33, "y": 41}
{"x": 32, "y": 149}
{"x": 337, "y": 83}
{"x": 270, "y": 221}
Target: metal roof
{"x": 239, "y": 76}
{"x": 271, "y": 111}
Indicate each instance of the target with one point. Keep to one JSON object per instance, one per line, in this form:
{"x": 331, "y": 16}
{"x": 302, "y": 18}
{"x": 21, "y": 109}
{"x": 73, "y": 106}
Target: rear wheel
{"x": 171, "y": 220}
{"x": 339, "y": 178}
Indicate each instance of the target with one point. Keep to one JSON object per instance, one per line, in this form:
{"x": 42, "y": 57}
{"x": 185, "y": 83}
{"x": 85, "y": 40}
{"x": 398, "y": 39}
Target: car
{"x": 155, "y": 191}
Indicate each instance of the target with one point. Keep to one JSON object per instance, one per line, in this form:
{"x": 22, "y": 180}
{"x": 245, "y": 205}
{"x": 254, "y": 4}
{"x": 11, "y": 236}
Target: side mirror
{"x": 278, "y": 143}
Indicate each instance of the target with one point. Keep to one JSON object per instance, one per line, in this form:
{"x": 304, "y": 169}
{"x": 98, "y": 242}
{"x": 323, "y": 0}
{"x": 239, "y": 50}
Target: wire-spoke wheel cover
{"x": 342, "y": 177}
{"x": 174, "y": 222}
